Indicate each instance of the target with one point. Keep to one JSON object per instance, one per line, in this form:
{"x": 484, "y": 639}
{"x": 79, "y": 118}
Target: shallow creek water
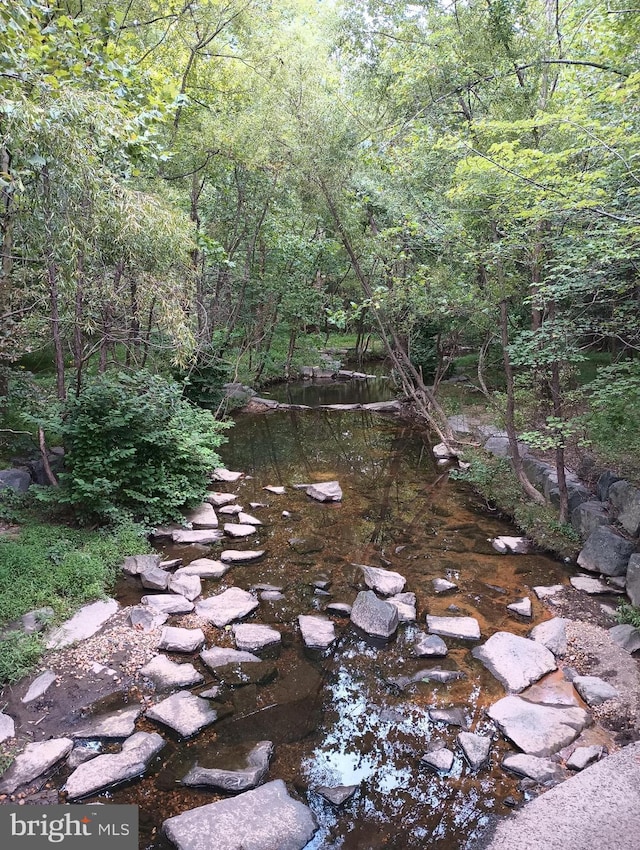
{"x": 332, "y": 716}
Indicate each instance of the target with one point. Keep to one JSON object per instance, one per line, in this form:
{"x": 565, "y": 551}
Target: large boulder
{"x": 374, "y": 616}
{"x": 588, "y": 516}
{"x": 625, "y": 499}
{"x": 267, "y": 818}
{"x": 515, "y": 661}
{"x": 594, "y": 690}
{"x": 219, "y": 656}
{"x": 538, "y": 729}
{"x": 606, "y": 552}
{"x": 604, "y": 483}
{"x": 15, "y": 479}
{"x": 633, "y": 580}
{"x": 133, "y": 565}
{"x": 7, "y": 727}
{"x": 626, "y": 636}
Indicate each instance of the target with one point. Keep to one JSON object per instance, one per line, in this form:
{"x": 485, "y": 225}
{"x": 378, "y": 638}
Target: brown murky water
{"x": 333, "y": 717}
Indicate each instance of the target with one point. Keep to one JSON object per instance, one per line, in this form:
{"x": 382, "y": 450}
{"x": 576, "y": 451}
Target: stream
{"x": 333, "y": 717}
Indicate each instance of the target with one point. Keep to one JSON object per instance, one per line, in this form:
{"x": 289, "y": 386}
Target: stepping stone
{"x": 429, "y": 645}
{"x": 188, "y": 586}
{"x": 185, "y": 713}
{"x": 434, "y": 674}
{"x": 512, "y": 545}
{"x": 374, "y": 616}
{"x": 167, "y": 675}
{"x": 234, "y": 781}
{"x": 277, "y": 491}
{"x": 220, "y": 499}
{"x": 203, "y": 568}
{"x": 219, "y": 656}
{"x": 133, "y": 565}
{"x": 317, "y": 632}
{"x": 247, "y": 519}
{"x": 405, "y": 604}
{"x": 515, "y": 661}
{"x": 552, "y": 634}
{"x": 263, "y": 819}
{"x": 337, "y": 795}
{"x": 181, "y": 640}
{"x": 231, "y": 510}
{"x": 582, "y": 757}
{"x": 539, "y": 769}
{"x": 36, "y": 759}
{"x": 339, "y": 609}
{"x": 475, "y": 748}
{"x": 83, "y": 751}
{"x": 106, "y": 770}
{"x": 522, "y": 607}
{"x": 386, "y": 582}
{"x": 119, "y": 724}
{"x": 7, "y": 727}
{"x": 85, "y": 623}
{"x": 236, "y": 556}
{"x": 547, "y": 592}
{"x": 592, "y": 586}
{"x": 626, "y": 636}
{"x": 440, "y": 760}
{"x": 205, "y": 537}
{"x": 539, "y": 730}
{"x": 168, "y": 603}
{"x": 462, "y": 628}
{"x": 155, "y": 579}
{"x": 224, "y": 608}
{"x": 221, "y": 474}
{"x": 451, "y": 716}
{"x": 145, "y": 620}
{"x": 552, "y": 692}
{"x": 234, "y": 529}
{"x": 271, "y": 595}
{"x": 593, "y": 690}
{"x": 255, "y": 637}
{"x": 39, "y": 686}
{"x": 203, "y": 517}
{"x": 442, "y": 585}
{"x": 327, "y": 491}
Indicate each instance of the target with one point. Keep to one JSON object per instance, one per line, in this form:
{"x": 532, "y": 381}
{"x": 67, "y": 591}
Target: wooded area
{"x": 206, "y": 188}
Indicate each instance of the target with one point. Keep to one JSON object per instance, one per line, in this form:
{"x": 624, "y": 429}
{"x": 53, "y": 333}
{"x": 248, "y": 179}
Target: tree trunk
{"x": 556, "y": 398}
{"x": 78, "y": 342}
{"x": 52, "y": 279}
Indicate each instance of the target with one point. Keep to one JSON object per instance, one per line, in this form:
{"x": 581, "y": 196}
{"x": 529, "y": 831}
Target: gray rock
{"x": 220, "y": 499}
{"x": 185, "y": 713}
{"x": 441, "y": 585}
{"x": 577, "y": 494}
{"x": 626, "y": 636}
{"x": 15, "y": 479}
{"x": 204, "y": 568}
{"x": 239, "y": 674}
{"x": 442, "y": 451}
{"x": 7, "y": 727}
{"x": 119, "y": 724}
{"x": 522, "y": 607}
{"x": 541, "y": 770}
{"x": 167, "y": 675}
{"x": 552, "y": 634}
{"x": 145, "y": 619}
{"x": 219, "y": 656}
{"x": 604, "y": 483}
{"x": 451, "y": 716}
{"x": 306, "y": 545}
{"x": 275, "y": 489}
{"x": 545, "y": 592}
{"x": 235, "y": 781}
{"x": 235, "y": 529}
{"x": 106, "y": 770}
{"x": 203, "y": 517}
{"x": 188, "y": 586}
{"x": 593, "y": 690}
{"x": 230, "y": 510}
{"x": 383, "y": 406}
{"x": 35, "y": 760}
{"x": 582, "y": 757}
{"x": 539, "y": 730}
{"x": 337, "y": 795}
{"x": 429, "y": 645}
{"x": 248, "y": 519}
{"x": 327, "y": 491}
{"x": 266, "y": 818}
{"x": 386, "y": 582}
{"x": 227, "y": 475}
{"x": 235, "y": 556}
{"x": 222, "y": 609}
{"x": 168, "y": 603}
{"x": 39, "y": 686}
{"x": 213, "y": 692}
{"x": 271, "y": 595}
{"x": 536, "y": 470}
{"x": 592, "y": 586}
{"x": 515, "y": 661}
{"x": 317, "y": 632}
{"x": 252, "y": 637}
{"x": 82, "y": 752}
{"x": 204, "y": 536}
{"x": 405, "y": 604}
{"x": 463, "y": 628}
{"x": 475, "y": 747}
{"x": 588, "y": 516}
{"x": 155, "y": 579}
{"x": 512, "y": 545}
{"x": 181, "y": 640}
{"x": 440, "y": 759}
{"x": 432, "y": 674}
{"x": 625, "y": 499}
{"x": 35, "y": 621}
{"x": 633, "y": 580}
{"x": 339, "y": 609}
{"x": 606, "y": 552}
{"x": 374, "y": 616}
{"x": 84, "y": 623}
{"x": 171, "y": 564}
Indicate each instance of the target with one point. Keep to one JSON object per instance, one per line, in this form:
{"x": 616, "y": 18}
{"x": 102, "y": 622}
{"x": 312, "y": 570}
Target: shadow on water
{"x": 335, "y": 718}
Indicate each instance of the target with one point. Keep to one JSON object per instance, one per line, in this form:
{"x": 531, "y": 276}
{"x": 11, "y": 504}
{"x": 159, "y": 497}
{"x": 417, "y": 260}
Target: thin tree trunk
{"x": 556, "y": 398}
{"x": 78, "y": 342}
{"x": 52, "y": 279}
{"x": 45, "y": 459}
{"x": 482, "y": 358}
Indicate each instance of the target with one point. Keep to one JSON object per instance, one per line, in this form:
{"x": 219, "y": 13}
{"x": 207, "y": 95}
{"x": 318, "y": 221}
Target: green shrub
{"x": 135, "y": 447}
{"x": 626, "y": 613}
{"x": 613, "y": 421}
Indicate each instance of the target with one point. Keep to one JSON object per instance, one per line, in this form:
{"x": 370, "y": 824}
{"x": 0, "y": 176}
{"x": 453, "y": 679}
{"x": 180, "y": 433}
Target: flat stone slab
{"x": 547, "y": 591}
{"x": 539, "y": 769}
{"x": 204, "y": 536}
{"x": 203, "y": 517}
{"x": 236, "y": 529}
{"x": 267, "y": 818}
{"x": 219, "y": 656}
{"x": 227, "y": 475}
{"x": 252, "y": 637}
{"x": 204, "y": 568}
{"x": 597, "y": 808}
{"x": 39, "y": 686}
{"x": 462, "y": 628}
{"x": 582, "y": 757}
{"x": 133, "y": 565}
{"x": 222, "y": 609}
{"x": 166, "y": 674}
{"x": 84, "y": 623}
{"x": 405, "y": 604}
{"x": 231, "y": 510}
{"x": 220, "y": 499}
{"x": 339, "y": 609}
{"x": 522, "y": 607}
{"x": 593, "y": 690}
{"x": 386, "y": 582}
{"x": 475, "y": 747}
{"x": 317, "y": 632}
{"x": 248, "y": 519}
{"x": 374, "y": 616}
{"x": 275, "y": 489}
{"x": 235, "y": 781}
{"x": 118, "y": 724}
{"x": 7, "y": 727}
{"x": 327, "y": 491}
{"x": 516, "y": 662}
{"x": 430, "y": 645}
{"x": 237, "y": 556}
{"x": 337, "y": 795}
{"x": 185, "y": 713}
{"x": 592, "y": 586}
{"x": 173, "y": 639}
{"x": 539, "y": 730}
{"x": 451, "y": 716}
{"x": 440, "y": 760}
{"x": 110, "y": 769}
{"x": 443, "y": 585}
{"x": 552, "y": 634}
{"x": 168, "y": 603}
{"x": 35, "y": 760}
{"x": 188, "y": 586}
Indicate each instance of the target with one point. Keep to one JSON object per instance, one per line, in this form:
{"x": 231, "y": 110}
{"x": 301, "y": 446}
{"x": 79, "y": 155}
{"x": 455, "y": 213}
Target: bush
{"x": 613, "y": 421}
{"x": 135, "y": 447}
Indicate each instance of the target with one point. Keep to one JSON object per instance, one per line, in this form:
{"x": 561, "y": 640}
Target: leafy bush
{"x": 135, "y": 447}
{"x": 626, "y": 613}
{"x": 613, "y": 422}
